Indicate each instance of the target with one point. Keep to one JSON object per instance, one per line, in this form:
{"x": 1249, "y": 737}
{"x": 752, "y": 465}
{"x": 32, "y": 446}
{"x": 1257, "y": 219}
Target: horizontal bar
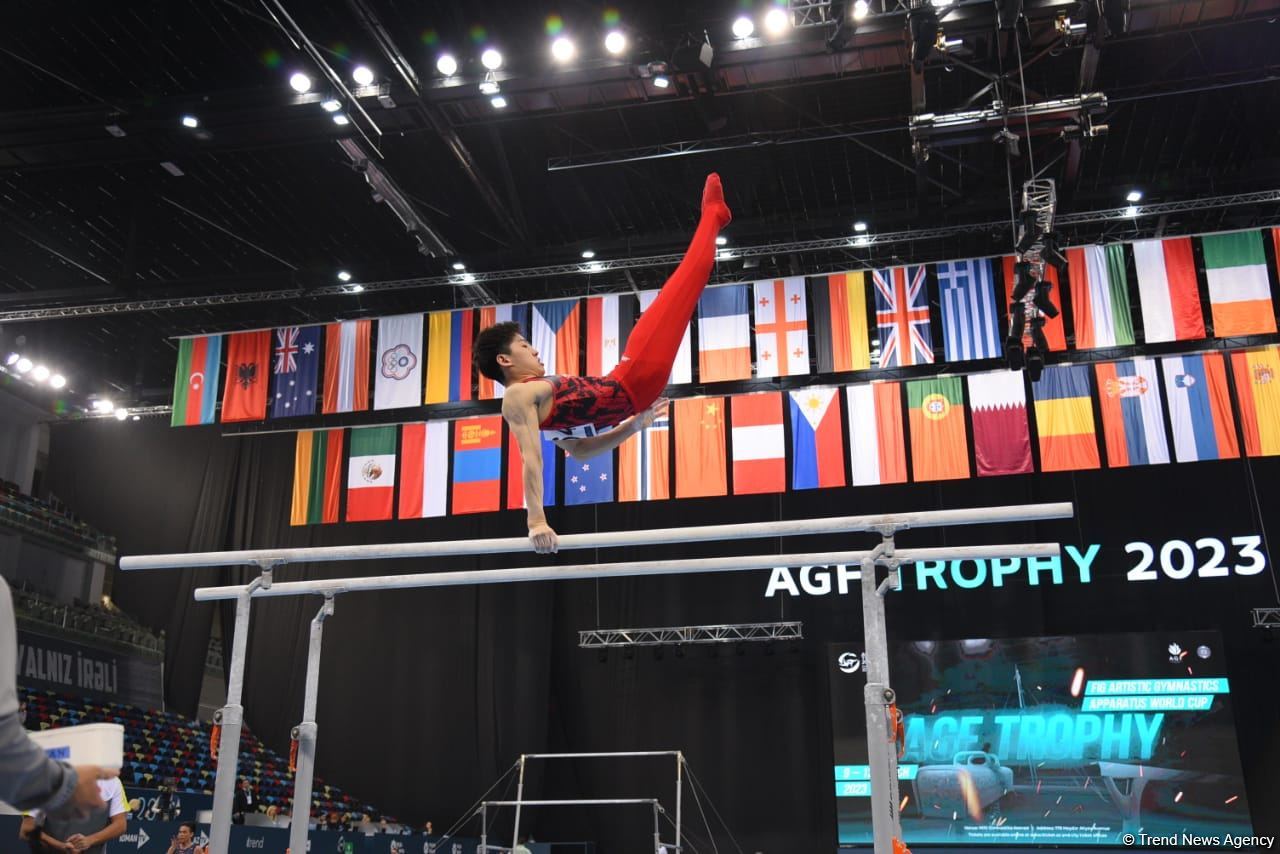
{"x": 334, "y": 586}
{"x": 624, "y": 755}
{"x": 588, "y": 803}
{"x": 610, "y": 539}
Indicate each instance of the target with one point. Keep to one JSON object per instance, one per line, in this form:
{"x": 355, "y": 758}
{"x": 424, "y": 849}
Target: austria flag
{"x": 758, "y": 443}
{"x": 817, "y": 439}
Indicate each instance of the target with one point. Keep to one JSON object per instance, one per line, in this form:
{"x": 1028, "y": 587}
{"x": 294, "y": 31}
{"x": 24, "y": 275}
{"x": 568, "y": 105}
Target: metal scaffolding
{"x": 676, "y": 635}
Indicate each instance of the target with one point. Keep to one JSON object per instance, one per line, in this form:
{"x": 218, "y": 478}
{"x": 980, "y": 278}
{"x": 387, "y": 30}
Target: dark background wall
{"x": 427, "y": 696}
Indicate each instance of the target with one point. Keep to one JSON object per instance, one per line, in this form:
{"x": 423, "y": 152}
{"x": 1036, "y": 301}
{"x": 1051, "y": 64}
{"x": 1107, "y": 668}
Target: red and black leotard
{"x": 583, "y": 406}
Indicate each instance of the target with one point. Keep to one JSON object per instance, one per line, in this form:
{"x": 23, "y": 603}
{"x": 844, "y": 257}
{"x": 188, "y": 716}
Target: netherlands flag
{"x": 817, "y": 439}
{"x": 1199, "y": 408}
{"x": 759, "y": 447}
{"x": 724, "y": 334}
{"x": 557, "y": 336}
{"x": 1132, "y": 417}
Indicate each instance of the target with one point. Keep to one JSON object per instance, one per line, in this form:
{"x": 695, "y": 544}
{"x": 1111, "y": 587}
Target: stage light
{"x": 363, "y": 75}
{"x": 344, "y": 276}
{"x": 859, "y": 226}
{"x": 743, "y": 27}
{"x": 860, "y": 9}
{"x": 355, "y": 289}
{"x": 1131, "y": 211}
{"x": 941, "y": 4}
{"x": 661, "y": 81}
{"x": 12, "y": 359}
{"x": 491, "y": 59}
{"x": 595, "y": 267}
{"x": 489, "y": 87}
{"x": 615, "y": 42}
{"x": 588, "y": 254}
{"x": 1133, "y": 196}
{"x": 122, "y": 414}
{"x": 721, "y": 240}
{"x": 103, "y": 405}
{"x": 40, "y": 373}
{"x": 57, "y": 381}
{"x": 23, "y": 364}
{"x": 459, "y": 266}
{"x": 776, "y": 21}
{"x": 137, "y": 418}
{"x": 300, "y": 82}
{"x": 340, "y": 119}
{"x": 447, "y": 65}
{"x": 331, "y": 106}
{"x": 499, "y": 102}
{"x": 468, "y": 278}
{"x": 923, "y": 24}
{"x": 190, "y": 122}
{"x": 562, "y": 49}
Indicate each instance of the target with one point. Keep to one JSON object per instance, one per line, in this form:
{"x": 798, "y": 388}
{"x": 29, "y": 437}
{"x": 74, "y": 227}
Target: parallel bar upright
{"x": 305, "y": 772}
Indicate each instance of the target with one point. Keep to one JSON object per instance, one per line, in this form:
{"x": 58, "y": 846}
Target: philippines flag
{"x": 556, "y": 336}
{"x": 490, "y": 315}
{"x": 817, "y": 438}
{"x": 588, "y": 481}
{"x": 782, "y": 328}
{"x": 724, "y": 334}
{"x": 970, "y": 329}
{"x": 902, "y": 314}
{"x": 424, "y": 469}
{"x": 449, "y": 355}
{"x": 477, "y": 464}
{"x": 295, "y": 371}
{"x": 1132, "y": 416}
{"x": 609, "y": 322}
{"x": 1200, "y": 408}
{"x": 759, "y": 446}
{"x": 643, "y": 463}
{"x": 515, "y": 472}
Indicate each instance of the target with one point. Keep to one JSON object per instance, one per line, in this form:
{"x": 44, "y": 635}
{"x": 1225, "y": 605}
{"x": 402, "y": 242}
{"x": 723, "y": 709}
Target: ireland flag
{"x": 371, "y": 474}
{"x": 1239, "y": 291}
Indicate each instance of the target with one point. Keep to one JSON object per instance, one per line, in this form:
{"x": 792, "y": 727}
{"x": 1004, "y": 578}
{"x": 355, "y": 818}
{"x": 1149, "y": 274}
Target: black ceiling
{"x": 808, "y": 135}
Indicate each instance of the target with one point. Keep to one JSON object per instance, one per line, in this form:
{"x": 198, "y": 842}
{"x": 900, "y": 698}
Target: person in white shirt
{"x": 87, "y": 835}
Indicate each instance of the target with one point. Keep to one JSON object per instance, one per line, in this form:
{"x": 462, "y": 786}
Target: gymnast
{"x": 578, "y": 412}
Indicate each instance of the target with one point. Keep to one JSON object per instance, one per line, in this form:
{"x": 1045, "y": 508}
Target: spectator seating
{"x": 50, "y": 520}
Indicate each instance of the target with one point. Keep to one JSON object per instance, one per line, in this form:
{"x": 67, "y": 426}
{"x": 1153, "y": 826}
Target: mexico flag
{"x": 371, "y": 474}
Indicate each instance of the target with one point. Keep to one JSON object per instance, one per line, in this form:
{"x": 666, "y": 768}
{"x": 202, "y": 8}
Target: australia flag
{"x": 588, "y": 481}
{"x": 295, "y": 367}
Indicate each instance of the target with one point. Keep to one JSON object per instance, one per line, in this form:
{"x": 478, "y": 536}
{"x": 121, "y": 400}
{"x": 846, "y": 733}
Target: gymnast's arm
{"x": 591, "y": 446}
{"x": 520, "y": 409}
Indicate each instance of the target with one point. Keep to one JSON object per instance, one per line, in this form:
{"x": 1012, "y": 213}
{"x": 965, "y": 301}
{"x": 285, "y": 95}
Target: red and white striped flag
{"x": 759, "y": 445}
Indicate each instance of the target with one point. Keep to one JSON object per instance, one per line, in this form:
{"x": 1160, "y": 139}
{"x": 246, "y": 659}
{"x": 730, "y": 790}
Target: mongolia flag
{"x": 902, "y": 315}
{"x": 1199, "y": 408}
{"x": 477, "y": 464}
{"x": 724, "y": 335}
{"x": 1132, "y": 415}
{"x": 371, "y": 474}
{"x": 489, "y": 315}
{"x": 970, "y": 329}
{"x": 195, "y": 381}
{"x": 588, "y": 481}
{"x": 449, "y": 355}
{"x": 1001, "y": 438}
{"x": 939, "y": 441}
{"x": 759, "y": 445}
{"x": 295, "y": 371}
{"x": 1239, "y": 289}
{"x": 1054, "y": 331}
{"x": 317, "y": 470}
{"x": 515, "y": 472}
{"x": 817, "y": 438}
{"x": 557, "y": 336}
{"x": 424, "y": 469}
{"x": 840, "y": 322}
{"x": 877, "y": 445}
{"x": 397, "y": 382}
{"x": 782, "y": 328}
{"x": 346, "y": 366}
{"x": 700, "y": 457}
{"x": 643, "y": 459}
{"x": 1258, "y": 389}
{"x": 682, "y": 368}
{"x": 1064, "y": 419}
{"x": 1100, "y": 296}
{"x": 1167, "y": 289}
{"x": 609, "y": 322}
{"x": 244, "y": 398}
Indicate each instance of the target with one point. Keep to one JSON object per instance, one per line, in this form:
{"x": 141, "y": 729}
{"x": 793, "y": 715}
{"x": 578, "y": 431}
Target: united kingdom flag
{"x": 902, "y": 314}
{"x": 286, "y": 350}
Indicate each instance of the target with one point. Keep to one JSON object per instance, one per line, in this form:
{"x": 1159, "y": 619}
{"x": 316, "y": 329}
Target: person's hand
{"x": 77, "y": 842}
{"x": 544, "y": 539}
{"x": 658, "y": 410}
{"x": 85, "y": 797}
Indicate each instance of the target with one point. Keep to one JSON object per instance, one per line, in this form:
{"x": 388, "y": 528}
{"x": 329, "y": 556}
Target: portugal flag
{"x": 939, "y": 441}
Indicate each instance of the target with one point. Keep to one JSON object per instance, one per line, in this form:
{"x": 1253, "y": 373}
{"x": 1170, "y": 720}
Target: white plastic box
{"x": 87, "y": 744}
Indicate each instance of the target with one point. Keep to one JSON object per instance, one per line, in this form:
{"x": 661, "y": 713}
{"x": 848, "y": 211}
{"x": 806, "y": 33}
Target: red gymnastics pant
{"x": 651, "y": 349}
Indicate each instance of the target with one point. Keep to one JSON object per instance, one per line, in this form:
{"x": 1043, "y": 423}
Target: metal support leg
{"x": 657, "y": 836}
{"x": 303, "y": 776}
{"x": 484, "y": 829}
{"x": 679, "y": 798}
{"x": 232, "y": 721}
{"x": 515, "y": 830}
{"x": 882, "y": 754}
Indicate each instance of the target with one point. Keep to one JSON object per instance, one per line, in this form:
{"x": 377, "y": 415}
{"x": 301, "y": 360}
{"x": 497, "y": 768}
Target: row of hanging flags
{"x": 277, "y": 373}
{"x": 1175, "y": 408}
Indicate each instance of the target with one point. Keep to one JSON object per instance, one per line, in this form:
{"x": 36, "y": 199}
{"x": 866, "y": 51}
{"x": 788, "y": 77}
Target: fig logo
{"x": 848, "y": 662}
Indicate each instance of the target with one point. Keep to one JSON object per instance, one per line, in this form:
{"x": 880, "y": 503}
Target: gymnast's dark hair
{"x": 489, "y": 343}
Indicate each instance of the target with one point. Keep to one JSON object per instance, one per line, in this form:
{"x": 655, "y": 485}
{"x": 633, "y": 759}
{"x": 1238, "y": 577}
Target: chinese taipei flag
{"x": 371, "y": 474}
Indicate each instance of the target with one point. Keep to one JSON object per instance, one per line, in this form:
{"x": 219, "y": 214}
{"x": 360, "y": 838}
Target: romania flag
{"x": 1064, "y": 419}
{"x": 449, "y": 335}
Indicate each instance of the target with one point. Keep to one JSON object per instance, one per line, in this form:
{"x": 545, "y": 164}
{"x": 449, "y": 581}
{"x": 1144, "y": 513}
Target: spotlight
{"x": 468, "y": 278}
{"x": 588, "y": 254}
{"x": 661, "y": 81}
{"x": 859, "y": 226}
{"x": 103, "y": 405}
{"x": 190, "y": 122}
{"x": 743, "y": 27}
{"x": 1133, "y": 197}
{"x": 12, "y": 359}
{"x": 57, "y": 381}
{"x": 344, "y": 276}
{"x": 562, "y": 49}
{"x": 40, "y": 373}
{"x": 860, "y": 9}
{"x": 941, "y": 4}
{"x": 122, "y": 414}
{"x": 23, "y": 364}
{"x": 489, "y": 87}
{"x": 776, "y": 21}
{"x": 595, "y": 267}
{"x": 300, "y": 82}
{"x": 340, "y": 119}
{"x": 137, "y": 418}
{"x": 459, "y": 266}
{"x": 1131, "y": 211}
{"x": 722, "y": 240}
{"x": 331, "y": 106}
{"x": 499, "y": 102}
{"x": 615, "y": 42}
{"x": 363, "y": 75}
{"x": 355, "y": 289}
{"x": 491, "y": 59}
{"x": 923, "y": 23}
{"x": 447, "y": 65}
